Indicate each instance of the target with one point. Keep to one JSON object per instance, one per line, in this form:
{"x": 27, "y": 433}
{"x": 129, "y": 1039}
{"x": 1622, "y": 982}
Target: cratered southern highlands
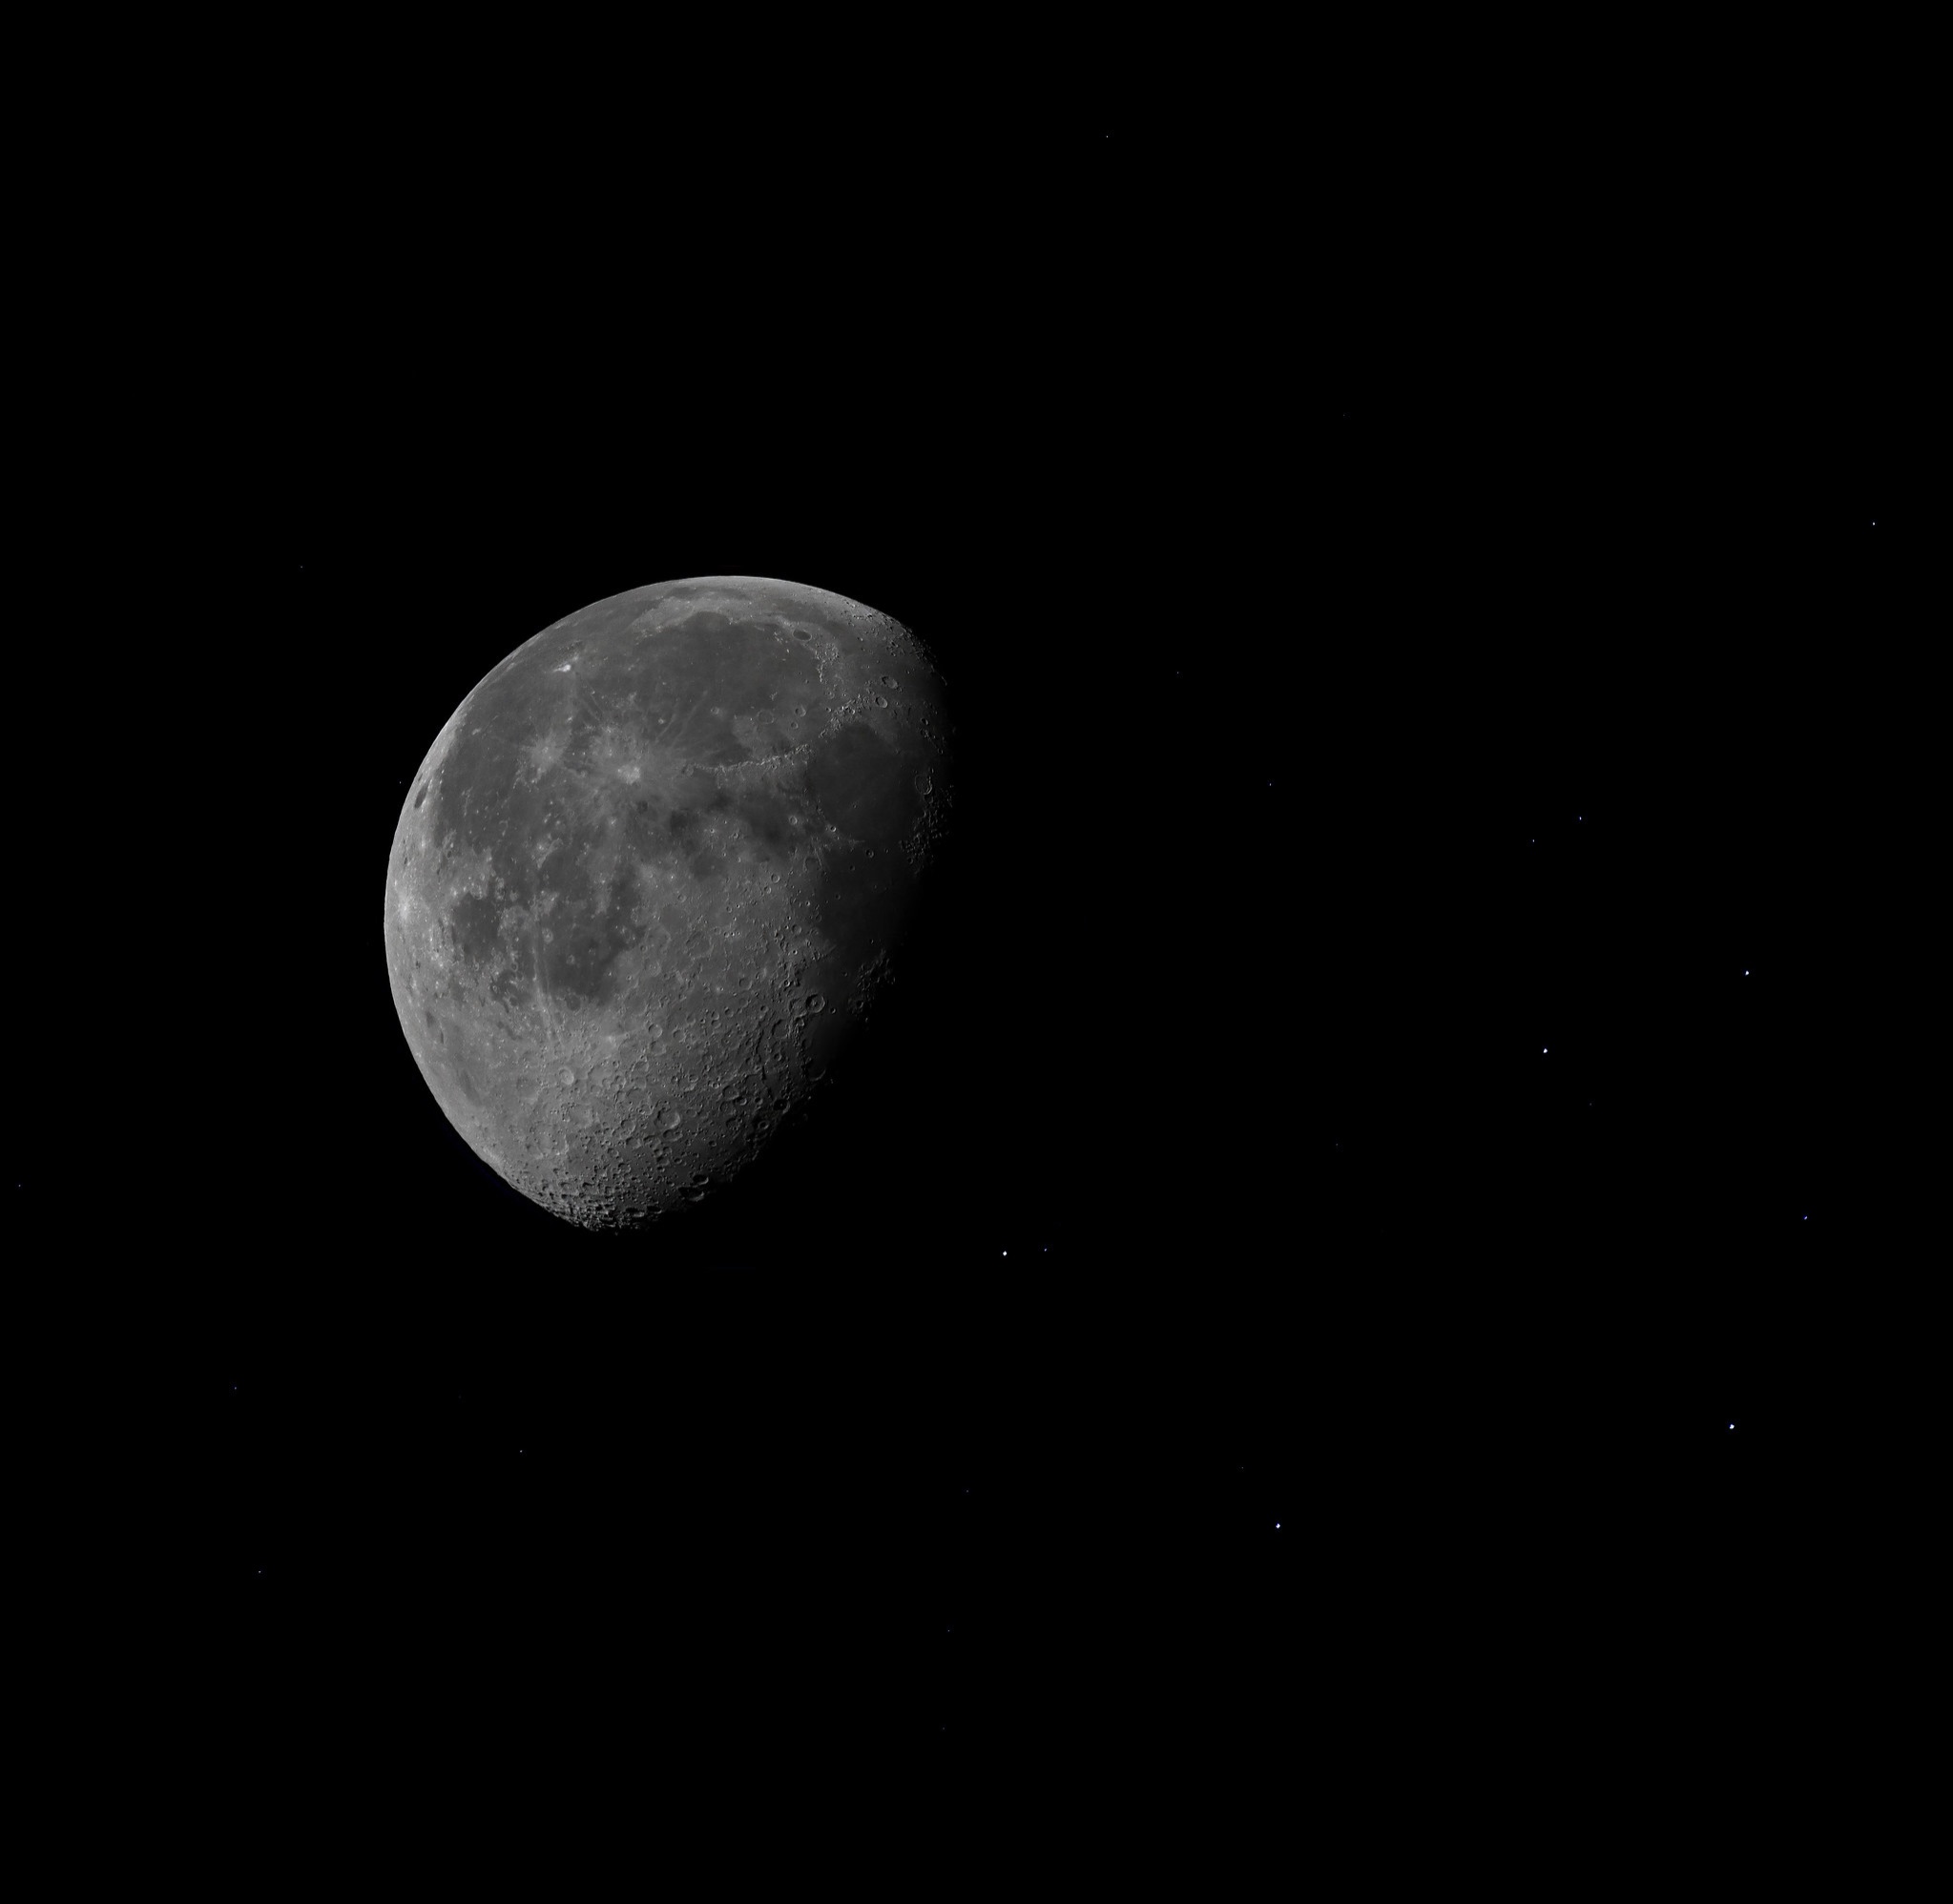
{"x": 650, "y": 876}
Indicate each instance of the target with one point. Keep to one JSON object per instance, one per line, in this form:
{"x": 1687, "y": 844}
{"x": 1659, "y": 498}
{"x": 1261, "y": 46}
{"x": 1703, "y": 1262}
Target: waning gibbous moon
{"x": 651, "y": 872}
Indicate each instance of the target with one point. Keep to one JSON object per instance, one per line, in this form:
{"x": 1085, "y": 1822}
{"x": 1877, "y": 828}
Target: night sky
{"x": 1361, "y": 1235}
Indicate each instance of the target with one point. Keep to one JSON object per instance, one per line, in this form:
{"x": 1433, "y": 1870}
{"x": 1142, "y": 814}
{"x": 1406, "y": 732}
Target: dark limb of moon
{"x": 650, "y": 874}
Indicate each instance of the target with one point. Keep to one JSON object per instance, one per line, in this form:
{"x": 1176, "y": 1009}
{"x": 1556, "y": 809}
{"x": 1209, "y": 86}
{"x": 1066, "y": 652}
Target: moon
{"x": 652, "y": 874}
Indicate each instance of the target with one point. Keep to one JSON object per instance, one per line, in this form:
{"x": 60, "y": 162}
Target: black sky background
{"x": 1379, "y": 1086}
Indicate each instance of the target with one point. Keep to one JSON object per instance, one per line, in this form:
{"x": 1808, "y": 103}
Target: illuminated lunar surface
{"x": 651, "y": 872}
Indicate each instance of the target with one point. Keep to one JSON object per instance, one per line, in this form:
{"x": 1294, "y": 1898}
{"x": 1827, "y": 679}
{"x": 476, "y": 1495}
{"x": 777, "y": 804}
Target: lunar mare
{"x": 651, "y": 873}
